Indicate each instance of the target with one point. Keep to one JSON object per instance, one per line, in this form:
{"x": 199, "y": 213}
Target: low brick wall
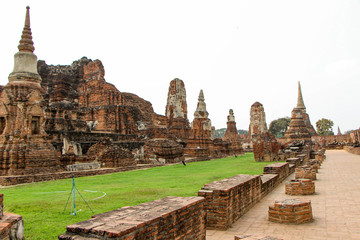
{"x": 167, "y": 218}
{"x": 268, "y": 183}
{"x": 282, "y": 169}
{"x": 305, "y": 172}
{"x": 20, "y": 179}
{"x": 353, "y": 150}
{"x": 296, "y": 161}
{"x": 227, "y": 200}
{"x": 291, "y": 211}
{"x": 300, "y": 187}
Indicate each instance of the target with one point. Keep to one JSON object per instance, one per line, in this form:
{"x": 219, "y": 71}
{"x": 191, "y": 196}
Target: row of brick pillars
{"x": 295, "y": 210}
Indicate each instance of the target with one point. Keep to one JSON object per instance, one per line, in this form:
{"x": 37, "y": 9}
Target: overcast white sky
{"x": 238, "y": 52}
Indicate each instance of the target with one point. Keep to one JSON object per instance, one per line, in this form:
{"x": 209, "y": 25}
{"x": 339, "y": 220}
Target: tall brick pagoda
{"x": 301, "y": 106}
{"x": 200, "y": 141}
{"x": 24, "y": 148}
{"x": 300, "y": 128}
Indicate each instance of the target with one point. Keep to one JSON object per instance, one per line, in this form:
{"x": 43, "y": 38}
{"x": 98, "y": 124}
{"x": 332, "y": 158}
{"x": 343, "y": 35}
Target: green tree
{"x": 324, "y": 127}
{"x": 279, "y": 126}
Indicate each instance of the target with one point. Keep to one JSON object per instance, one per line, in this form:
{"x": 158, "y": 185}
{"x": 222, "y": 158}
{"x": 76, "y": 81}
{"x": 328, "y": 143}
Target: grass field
{"x": 42, "y": 204}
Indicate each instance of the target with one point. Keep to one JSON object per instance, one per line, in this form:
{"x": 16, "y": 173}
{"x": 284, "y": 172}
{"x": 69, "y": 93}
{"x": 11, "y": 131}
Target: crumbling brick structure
{"x": 109, "y": 155}
{"x": 266, "y": 148}
{"x": 161, "y": 151}
{"x": 257, "y": 120}
{"x": 176, "y": 110}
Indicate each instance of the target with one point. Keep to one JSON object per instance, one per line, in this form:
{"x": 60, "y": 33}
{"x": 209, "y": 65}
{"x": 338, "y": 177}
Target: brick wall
{"x": 167, "y": 218}
{"x": 282, "y": 169}
{"x": 354, "y": 150}
{"x": 19, "y": 179}
{"x": 227, "y": 200}
{"x": 268, "y": 183}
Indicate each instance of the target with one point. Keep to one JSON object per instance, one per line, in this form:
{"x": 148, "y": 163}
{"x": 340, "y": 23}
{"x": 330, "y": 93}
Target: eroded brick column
{"x": 300, "y": 187}
{"x": 305, "y": 172}
{"x": 291, "y": 211}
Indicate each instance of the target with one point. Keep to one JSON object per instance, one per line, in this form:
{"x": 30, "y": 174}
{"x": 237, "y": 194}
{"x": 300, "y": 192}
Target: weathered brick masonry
{"x": 167, "y": 218}
{"x": 11, "y": 225}
{"x": 305, "y": 172}
{"x": 300, "y": 187}
{"x": 227, "y": 200}
{"x": 291, "y": 211}
{"x": 283, "y": 169}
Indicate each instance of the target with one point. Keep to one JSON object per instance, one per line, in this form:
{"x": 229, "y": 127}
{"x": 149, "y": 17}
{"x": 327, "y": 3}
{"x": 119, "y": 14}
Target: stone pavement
{"x": 335, "y": 205}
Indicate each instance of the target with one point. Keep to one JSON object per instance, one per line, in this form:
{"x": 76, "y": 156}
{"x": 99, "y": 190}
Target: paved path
{"x": 336, "y": 206}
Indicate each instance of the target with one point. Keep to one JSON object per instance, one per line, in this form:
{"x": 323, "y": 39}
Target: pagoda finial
{"x": 300, "y": 102}
{"x": 201, "y": 96}
{"x": 26, "y": 43}
{"x": 339, "y": 132}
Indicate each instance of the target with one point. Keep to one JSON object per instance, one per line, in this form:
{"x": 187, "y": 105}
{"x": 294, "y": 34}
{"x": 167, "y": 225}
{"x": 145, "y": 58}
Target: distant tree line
{"x": 221, "y": 132}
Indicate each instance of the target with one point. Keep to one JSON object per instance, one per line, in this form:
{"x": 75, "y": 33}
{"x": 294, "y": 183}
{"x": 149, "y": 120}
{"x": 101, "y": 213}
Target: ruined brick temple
{"x": 68, "y": 118}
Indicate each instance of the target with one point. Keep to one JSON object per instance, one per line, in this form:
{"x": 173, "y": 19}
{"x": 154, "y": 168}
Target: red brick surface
{"x": 291, "y": 211}
{"x": 167, "y": 218}
{"x": 300, "y": 187}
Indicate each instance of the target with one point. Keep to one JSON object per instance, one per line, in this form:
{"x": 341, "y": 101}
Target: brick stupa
{"x": 232, "y": 135}
{"x": 300, "y": 128}
{"x": 301, "y": 106}
{"x": 200, "y": 142}
{"x": 23, "y": 145}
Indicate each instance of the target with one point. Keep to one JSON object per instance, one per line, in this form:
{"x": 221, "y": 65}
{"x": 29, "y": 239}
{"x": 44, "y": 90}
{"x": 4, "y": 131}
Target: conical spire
{"x": 201, "y": 96}
{"x": 25, "y": 61}
{"x": 300, "y": 102}
{"x": 201, "y": 107}
{"x": 26, "y": 43}
{"x": 339, "y": 132}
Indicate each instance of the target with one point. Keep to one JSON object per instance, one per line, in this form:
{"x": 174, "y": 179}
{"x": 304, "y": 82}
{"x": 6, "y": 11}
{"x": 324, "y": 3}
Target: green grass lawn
{"x": 42, "y": 204}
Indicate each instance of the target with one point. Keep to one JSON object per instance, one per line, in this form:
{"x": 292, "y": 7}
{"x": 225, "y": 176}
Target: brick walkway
{"x": 336, "y": 206}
